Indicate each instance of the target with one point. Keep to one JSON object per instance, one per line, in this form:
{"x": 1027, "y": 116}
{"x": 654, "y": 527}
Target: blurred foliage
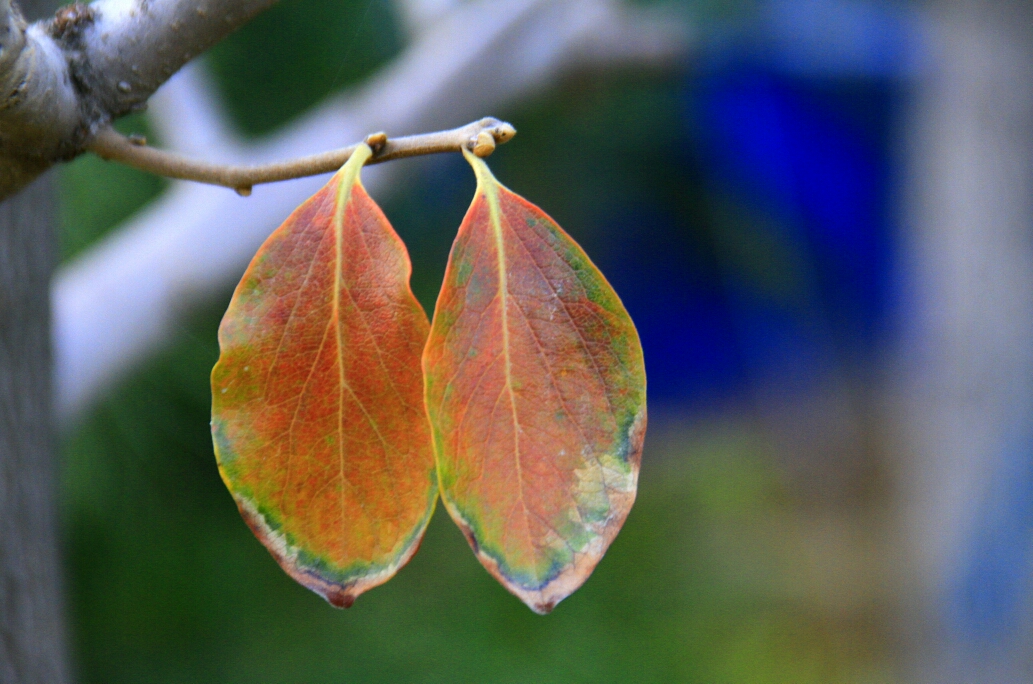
{"x": 166, "y": 583}
{"x": 99, "y": 195}
{"x": 298, "y": 52}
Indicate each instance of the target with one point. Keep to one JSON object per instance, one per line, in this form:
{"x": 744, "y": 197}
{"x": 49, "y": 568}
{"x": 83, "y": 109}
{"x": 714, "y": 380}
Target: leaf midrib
{"x": 491, "y": 194}
{"x": 349, "y": 178}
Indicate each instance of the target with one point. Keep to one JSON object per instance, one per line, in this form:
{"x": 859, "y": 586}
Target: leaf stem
{"x": 479, "y": 136}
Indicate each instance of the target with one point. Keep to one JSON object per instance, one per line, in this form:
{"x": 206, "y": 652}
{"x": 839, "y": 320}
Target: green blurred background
{"x": 717, "y": 575}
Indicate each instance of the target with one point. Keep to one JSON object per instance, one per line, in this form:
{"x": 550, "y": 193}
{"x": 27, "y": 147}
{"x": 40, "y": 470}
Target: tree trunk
{"x": 966, "y": 376}
{"x": 32, "y": 633}
{"x": 31, "y": 626}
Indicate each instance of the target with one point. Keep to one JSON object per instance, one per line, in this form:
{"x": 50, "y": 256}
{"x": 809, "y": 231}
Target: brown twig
{"x": 479, "y": 136}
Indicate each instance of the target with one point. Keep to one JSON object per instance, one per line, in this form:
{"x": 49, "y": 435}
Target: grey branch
{"x": 480, "y": 136}
{"x": 65, "y": 79}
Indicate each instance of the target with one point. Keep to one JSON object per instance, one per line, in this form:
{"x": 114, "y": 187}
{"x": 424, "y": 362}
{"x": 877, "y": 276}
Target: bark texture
{"x": 31, "y": 628}
{"x": 64, "y": 79}
{"x": 32, "y": 632}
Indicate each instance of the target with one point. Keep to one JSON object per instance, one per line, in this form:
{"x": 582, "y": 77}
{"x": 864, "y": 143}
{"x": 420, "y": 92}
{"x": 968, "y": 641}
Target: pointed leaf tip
{"x": 317, "y": 413}
{"x": 535, "y": 387}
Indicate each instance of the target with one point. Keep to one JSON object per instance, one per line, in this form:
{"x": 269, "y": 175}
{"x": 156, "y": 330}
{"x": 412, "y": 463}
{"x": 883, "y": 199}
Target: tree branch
{"x": 64, "y": 79}
{"x": 479, "y": 136}
{"x": 133, "y": 46}
{"x": 38, "y": 106}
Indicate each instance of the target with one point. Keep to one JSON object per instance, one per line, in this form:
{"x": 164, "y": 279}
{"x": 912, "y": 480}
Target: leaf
{"x": 535, "y": 388}
{"x": 317, "y": 413}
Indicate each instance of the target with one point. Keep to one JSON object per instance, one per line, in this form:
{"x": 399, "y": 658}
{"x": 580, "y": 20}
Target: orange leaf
{"x": 535, "y": 387}
{"x": 317, "y": 411}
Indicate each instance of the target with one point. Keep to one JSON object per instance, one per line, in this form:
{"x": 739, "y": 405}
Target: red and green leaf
{"x": 535, "y": 388}
{"x": 317, "y": 416}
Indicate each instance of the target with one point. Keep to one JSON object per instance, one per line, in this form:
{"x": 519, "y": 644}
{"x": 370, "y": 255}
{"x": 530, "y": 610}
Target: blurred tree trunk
{"x": 966, "y": 378}
{"x": 32, "y": 631}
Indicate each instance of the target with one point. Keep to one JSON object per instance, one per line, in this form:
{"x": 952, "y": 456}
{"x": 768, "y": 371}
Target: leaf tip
{"x": 543, "y": 608}
{"x": 340, "y": 599}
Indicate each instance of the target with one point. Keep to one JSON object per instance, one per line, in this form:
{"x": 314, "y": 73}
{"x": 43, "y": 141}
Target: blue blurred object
{"x": 840, "y": 38}
{"x": 989, "y": 600}
{"x": 676, "y": 298}
{"x": 790, "y": 131}
{"x": 809, "y": 160}
{"x": 794, "y": 128}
